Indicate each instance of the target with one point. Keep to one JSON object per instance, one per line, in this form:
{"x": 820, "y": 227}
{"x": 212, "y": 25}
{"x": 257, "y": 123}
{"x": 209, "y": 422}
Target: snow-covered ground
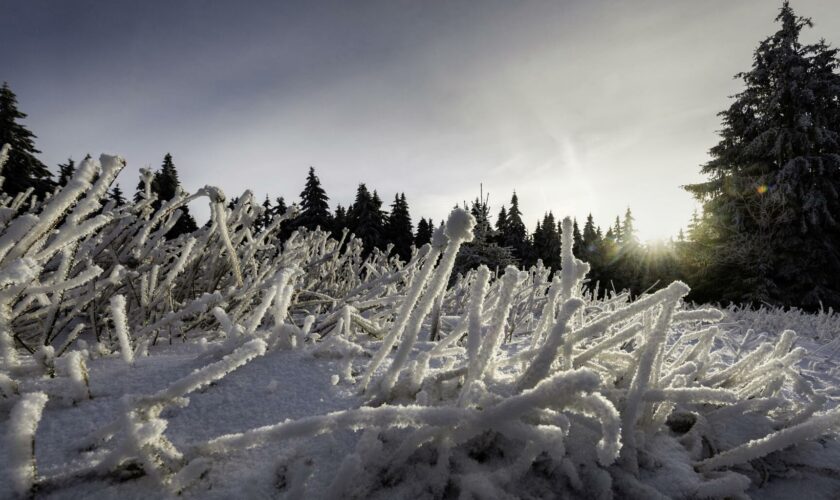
{"x": 219, "y": 365}
{"x": 298, "y": 383}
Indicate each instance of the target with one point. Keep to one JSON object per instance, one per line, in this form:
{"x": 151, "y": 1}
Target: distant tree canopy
{"x": 770, "y": 227}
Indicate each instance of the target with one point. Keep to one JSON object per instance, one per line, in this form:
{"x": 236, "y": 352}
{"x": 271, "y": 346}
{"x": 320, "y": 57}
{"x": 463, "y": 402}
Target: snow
{"x": 20, "y": 441}
{"x": 222, "y": 365}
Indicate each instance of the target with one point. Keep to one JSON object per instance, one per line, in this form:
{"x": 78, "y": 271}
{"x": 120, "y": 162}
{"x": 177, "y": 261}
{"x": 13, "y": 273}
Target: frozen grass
{"x": 226, "y": 366}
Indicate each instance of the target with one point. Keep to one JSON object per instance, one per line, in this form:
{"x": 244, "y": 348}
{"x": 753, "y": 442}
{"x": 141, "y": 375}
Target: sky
{"x": 579, "y": 106}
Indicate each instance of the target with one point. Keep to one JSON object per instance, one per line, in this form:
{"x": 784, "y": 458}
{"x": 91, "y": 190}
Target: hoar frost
{"x": 497, "y": 383}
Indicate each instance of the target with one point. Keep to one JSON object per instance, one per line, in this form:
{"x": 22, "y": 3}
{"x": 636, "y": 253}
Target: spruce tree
{"x": 616, "y": 229}
{"x": 117, "y": 195}
{"x": 22, "y": 169}
{"x": 66, "y": 171}
{"x": 277, "y": 210}
{"x": 339, "y": 222}
{"x": 772, "y": 200}
{"x": 365, "y": 220}
{"x": 547, "y": 242}
{"x": 516, "y": 235}
{"x": 501, "y": 226}
{"x": 279, "y": 207}
{"x": 628, "y": 228}
{"x": 591, "y": 238}
{"x": 577, "y": 238}
{"x": 314, "y": 209}
{"x": 267, "y": 215}
{"x": 483, "y": 249}
{"x": 399, "y": 229}
{"x": 424, "y": 232}
{"x": 166, "y": 185}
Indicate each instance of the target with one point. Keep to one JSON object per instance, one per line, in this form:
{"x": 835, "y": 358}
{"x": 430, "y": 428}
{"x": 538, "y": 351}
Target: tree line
{"x": 768, "y": 230}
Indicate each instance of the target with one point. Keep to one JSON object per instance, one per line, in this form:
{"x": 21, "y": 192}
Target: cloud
{"x": 579, "y": 106}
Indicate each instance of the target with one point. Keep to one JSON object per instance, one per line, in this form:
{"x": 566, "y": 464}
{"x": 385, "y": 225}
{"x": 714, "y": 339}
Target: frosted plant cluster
{"x": 496, "y": 384}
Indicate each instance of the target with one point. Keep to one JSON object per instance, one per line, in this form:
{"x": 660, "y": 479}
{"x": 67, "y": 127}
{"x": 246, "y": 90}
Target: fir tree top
{"x": 314, "y": 209}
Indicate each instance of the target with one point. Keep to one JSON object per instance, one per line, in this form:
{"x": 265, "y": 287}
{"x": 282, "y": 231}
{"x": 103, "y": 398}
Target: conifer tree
{"x": 501, "y": 226}
{"x": 265, "y": 218}
{"x": 314, "y": 209}
{"x": 166, "y": 181}
{"x": 339, "y": 221}
{"x": 547, "y": 242}
{"x": 365, "y": 219}
{"x": 483, "y": 249}
{"x": 577, "y": 238}
{"x": 277, "y": 210}
{"x": 616, "y": 229}
{"x": 399, "y": 229}
{"x": 166, "y": 185}
{"x": 516, "y": 235}
{"x": 772, "y": 200}
{"x": 279, "y": 206}
{"x": 117, "y": 195}
{"x": 66, "y": 171}
{"x": 22, "y": 169}
{"x": 424, "y": 232}
{"x": 591, "y": 238}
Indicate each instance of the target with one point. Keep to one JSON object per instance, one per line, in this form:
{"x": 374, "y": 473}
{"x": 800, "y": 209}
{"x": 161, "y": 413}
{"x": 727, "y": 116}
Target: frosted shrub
{"x": 478, "y": 387}
{"x": 579, "y": 402}
{"x": 121, "y": 328}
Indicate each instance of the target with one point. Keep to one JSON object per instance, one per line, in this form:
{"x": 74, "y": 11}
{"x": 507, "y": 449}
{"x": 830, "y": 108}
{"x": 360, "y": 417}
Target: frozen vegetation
{"x": 222, "y": 365}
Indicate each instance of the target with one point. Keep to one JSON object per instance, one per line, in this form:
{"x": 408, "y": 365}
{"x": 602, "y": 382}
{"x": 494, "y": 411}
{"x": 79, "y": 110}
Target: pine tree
{"x": 771, "y": 204}
{"x": 577, "y": 238}
{"x": 481, "y": 211}
{"x": 365, "y": 219}
{"x": 339, "y": 222}
{"x": 516, "y": 234}
{"x": 267, "y": 215}
{"x": 166, "y": 186}
{"x": 616, "y": 229}
{"x": 117, "y": 195}
{"x": 22, "y": 170}
{"x": 547, "y": 242}
{"x": 277, "y": 210}
{"x": 279, "y": 207}
{"x": 166, "y": 183}
{"x": 591, "y": 238}
{"x": 483, "y": 249}
{"x": 628, "y": 228}
{"x": 424, "y": 232}
{"x": 399, "y": 229}
{"x": 314, "y": 209}
{"x": 501, "y": 226}
{"x": 66, "y": 171}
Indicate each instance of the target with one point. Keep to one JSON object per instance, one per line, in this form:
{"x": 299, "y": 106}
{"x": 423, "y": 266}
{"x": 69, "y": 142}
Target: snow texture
{"x": 222, "y": 364}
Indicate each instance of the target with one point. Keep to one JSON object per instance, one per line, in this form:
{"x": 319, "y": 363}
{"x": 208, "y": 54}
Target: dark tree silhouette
{"x": 399, "y": 229}
{"x": 22, "y": 170}
{"x": 314, "y": 209}
{"x": 772, "y": 200}
{"x": 425, "y": 228}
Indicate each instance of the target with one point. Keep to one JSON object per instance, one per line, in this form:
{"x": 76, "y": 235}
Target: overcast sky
{"x": 580, "y": 106}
